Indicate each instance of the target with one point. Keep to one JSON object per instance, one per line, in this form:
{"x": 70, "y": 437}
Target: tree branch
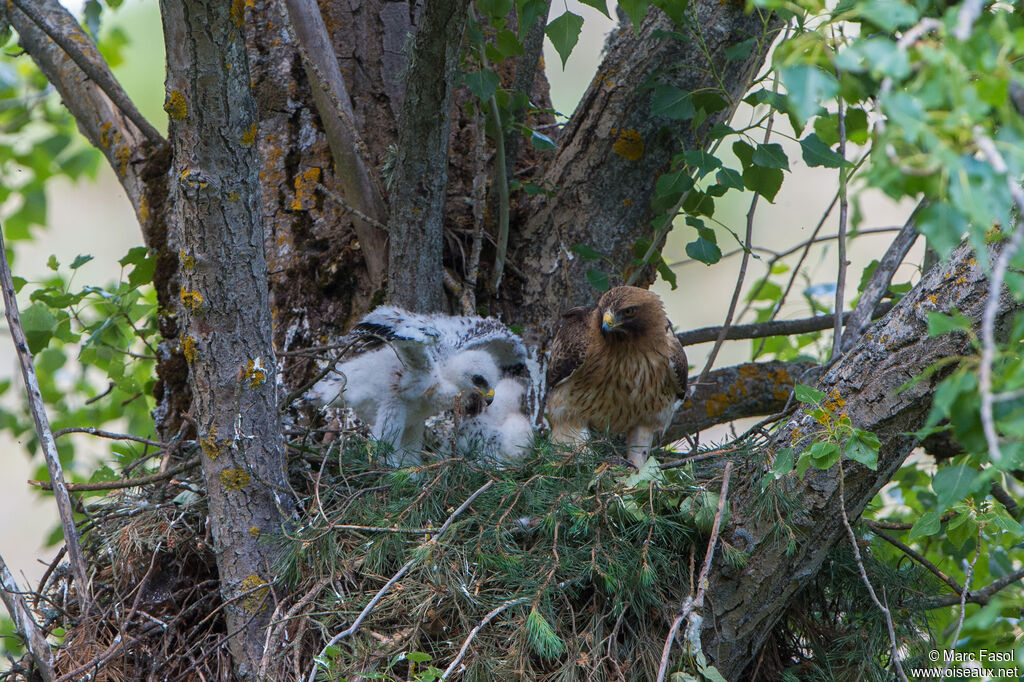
{"x": 754, "y": 389}
{"x": 760, "y": 330}
{"x": 24, "y": 623}
{"x": 878, "y": 285}
{"x": 872, "y": 382}
{"x": 350, "y": 156}
{"x": 94, "y": 98}
{"x": 420, "y": 176}
{"x": 46, "y": 442}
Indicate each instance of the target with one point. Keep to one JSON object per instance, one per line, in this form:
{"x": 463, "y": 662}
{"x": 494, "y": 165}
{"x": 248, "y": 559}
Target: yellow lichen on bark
{"x": 249, "y": 136}
{"x": 234, "y": 479}
{"x": 629, "y": 145}
{"x": 256, "y": 590}
{"x": 175, "y": 106}
{"x": 255, "y": 373}
{"x": 188, "y": 349}
{"x": 305, "y": 185}
{"x": 193, "y": 300}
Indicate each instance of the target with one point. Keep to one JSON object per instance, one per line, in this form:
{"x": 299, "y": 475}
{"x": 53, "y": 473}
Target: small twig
{"x": 909, "y": 551}
{"x": 501, "y": 181}
{"x": 24, "y": 623}
{"x": 995, "y": 288}
{"x": 491, "y": 615}
{"x": 773, "y": 328}
{"x": 895, "y": 525}
{"x": 103, "y": 78}
{"x": 124, "y": 482}
{"x": 395, "y": 578}
{"x": 963, "y": 599}
{"x": 349, "y": 208}
{"x": 697, "y": 603}
{"x": 837, "y": 332}
{"x": 864, "y": 577}
{"x": 965, "y": 18}
{"x": 979, "y": 597}
{"x": 46, "y": 442}
{"x": 695, "y": 458}
{"x": 878, "y": 285}
{"x": 468, "y": 300}
{"x": 107, "y": 434}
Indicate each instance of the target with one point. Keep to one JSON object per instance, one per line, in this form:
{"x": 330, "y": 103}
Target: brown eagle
{"x": 617, "y": 367}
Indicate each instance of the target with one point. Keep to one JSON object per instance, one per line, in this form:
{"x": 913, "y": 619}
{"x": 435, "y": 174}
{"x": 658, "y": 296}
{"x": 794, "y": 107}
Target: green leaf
{"x": 39, "y": 324}
{"x": 53, "y": 263}
{"x": 943, "y": 225}
{"x": 824, "y": 454}
{"x": 598, "y": 280}
{"x": 600, "y": 5}
{"x": 702, "y": 161}
{"x": 673, "y": 184}
{"x": 740, "y": 51}
{"x": 541, "y": 142}
{"x": 927, "y": 525}
{"x": 672, "y": 102}
{"x": 952, "y": 484}
{"x": 703, "y": 250}
{"x": 134, "y": 256}
{"x": 529, "y": 12}
{"x": 783, "y": 463}
{"x": 585, "y": 252}
{"x": 508, "y": 43}
{"x": 806, "y": 394}
{"x": 727, "y": 177}
{"x": 417, "y": 657}
{"x": 771, "y": 156}
{"x": 667, "y": 273}
{"x": 764, "y": 181}
{"x": 483, "y": 84}
{"x": 496, "y": 9}
{"x": 890, "y": 15}
{"x": 940, "y": 323}
{"x": 809, "y": 87}
{"x": 564, "y": 33}
{"x": 636, "y": 10}
{"x": 80, "y": 260}
{"x": 864, "y": 451}
{"x": 817, "y": 153}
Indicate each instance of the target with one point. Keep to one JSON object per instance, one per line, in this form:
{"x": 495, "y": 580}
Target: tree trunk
{"x": 746, "y": 604}
{"x": 226, "y": 336}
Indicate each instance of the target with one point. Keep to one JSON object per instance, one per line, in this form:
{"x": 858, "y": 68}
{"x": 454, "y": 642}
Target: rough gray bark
{"x": 613, "y": 149}
{"x": 747, "y": 603}
{"x": 226, "y": 334}
{"x": 420, "y": 178}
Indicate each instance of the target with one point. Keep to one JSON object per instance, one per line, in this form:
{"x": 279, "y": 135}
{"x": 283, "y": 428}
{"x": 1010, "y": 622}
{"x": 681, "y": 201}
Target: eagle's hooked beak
{"x": 610, "y": 324}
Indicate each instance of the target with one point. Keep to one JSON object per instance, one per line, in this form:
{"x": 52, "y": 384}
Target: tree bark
{"x": 420, "y": 177}
{"x": 227, "y": 323}
{"x": 613, "y": 149}
{"x": 747, "y": 603}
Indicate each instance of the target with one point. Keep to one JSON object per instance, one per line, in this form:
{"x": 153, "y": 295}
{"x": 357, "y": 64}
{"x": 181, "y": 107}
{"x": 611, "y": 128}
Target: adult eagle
{"x": 617, "y": 367}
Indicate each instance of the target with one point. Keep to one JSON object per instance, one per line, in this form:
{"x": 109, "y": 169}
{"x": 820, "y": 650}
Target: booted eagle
{"x": 409, "y": 367}
{"x": 615, "y": 367}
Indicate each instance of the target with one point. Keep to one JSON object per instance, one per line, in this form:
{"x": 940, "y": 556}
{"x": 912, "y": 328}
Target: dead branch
{"x": 46, "y": 442}
{"x": 760, "y": 330}
{"x": 124, "y": 482}
{"x": 24, "y": 623}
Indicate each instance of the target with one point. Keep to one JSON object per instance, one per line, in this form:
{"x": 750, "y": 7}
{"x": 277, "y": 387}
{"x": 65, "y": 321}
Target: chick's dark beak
{"x": 487, "y": 395}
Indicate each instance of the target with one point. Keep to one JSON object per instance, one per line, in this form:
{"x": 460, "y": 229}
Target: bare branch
{"x": 24, "y": 623}
{"x": 46, "y": 442}
{"x": 963, "y": 597}
{"x": 773, "y": 328}
{"x": 879, "y": 282}
{"x": 124, "y": 482}
{"x": 837, "y": 345}
{"x": 350, "y": 156}
{"x": 103, "y": 122}
{"x": 980, "y": 597}
{"x": 693, "y": 607}
{"x": 491, "y": 615}
{"x": 753, "y": 389}
{"x": 913, "y": 554}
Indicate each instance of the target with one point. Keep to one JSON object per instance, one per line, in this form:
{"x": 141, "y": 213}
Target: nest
{"x": 571, "y": 567}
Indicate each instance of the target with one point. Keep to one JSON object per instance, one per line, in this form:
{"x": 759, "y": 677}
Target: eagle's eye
{"x": 479, "y": 381}
{"x": 629, "y": 312}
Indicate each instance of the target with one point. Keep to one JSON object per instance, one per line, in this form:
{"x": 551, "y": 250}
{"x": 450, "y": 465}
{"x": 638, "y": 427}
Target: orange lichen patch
{"x": 234, "y": 479}
{"x": 249, "y": 136}
{"x": 255, "y": 374}
{"x": 718, "y": 403}
{"x": 238, "y": 12}
{"x": 256, "y": 591}
{"x": 254, "y": 531}
{"x": 627, "y": 202}
{"x": 973, "y": 262}
{"x": 175, "y": 106}
{"x": 834, "y": 402}
{"x": 933, "y": 299}
{"x": 188, "y": 349}
{"x": 629, "y": 145}
{"x": 193, "y": 300}
{"x": 305, "y": 185}
{"x": 796, "y": 435}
